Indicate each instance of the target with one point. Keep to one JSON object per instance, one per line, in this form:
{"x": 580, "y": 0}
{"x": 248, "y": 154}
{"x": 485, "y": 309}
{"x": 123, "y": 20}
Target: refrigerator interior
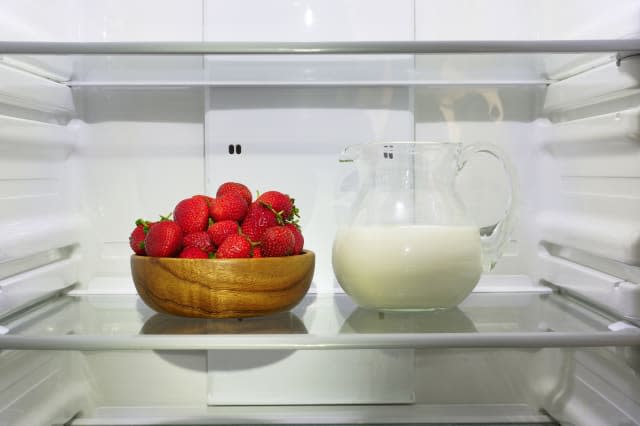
{"x": 92, "y": 142}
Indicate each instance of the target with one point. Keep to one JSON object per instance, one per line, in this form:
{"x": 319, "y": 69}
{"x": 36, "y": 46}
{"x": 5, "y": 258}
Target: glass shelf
{"x": 481, "y": 63}
{"x": 319, "y": 322}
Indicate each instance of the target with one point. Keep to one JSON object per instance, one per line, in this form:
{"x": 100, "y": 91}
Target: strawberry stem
{"x": 145, "y": 225}
{"x": 279, "y": 217}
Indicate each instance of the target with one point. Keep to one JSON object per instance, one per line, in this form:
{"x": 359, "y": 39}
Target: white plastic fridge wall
{"x": 103, "y": 157}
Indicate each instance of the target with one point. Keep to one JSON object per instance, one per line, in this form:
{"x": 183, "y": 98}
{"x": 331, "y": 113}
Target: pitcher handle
{"x": 495, "y": 237}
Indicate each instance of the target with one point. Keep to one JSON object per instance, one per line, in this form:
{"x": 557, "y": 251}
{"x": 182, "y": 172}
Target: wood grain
{"x": 222, "y": 288}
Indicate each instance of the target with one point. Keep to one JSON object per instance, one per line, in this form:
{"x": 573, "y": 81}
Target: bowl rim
{"x": 305, "y": 253}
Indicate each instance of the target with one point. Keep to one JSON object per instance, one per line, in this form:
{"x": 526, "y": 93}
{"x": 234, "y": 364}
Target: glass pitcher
{"x": 408, "y": 242}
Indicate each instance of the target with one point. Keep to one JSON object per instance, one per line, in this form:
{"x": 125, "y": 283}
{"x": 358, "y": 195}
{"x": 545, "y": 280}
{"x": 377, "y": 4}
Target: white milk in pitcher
{"x": 408, "y": 267}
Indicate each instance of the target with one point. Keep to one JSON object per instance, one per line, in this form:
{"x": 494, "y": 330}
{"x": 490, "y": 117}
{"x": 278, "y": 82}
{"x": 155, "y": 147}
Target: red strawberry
{"x": 237, "y": 188}
{"x": 279, "y": 202}
{"x": 257, "y": 252}
{"x": 258, "y": 219}
{"x": 192, "y": 252}
{"x": 297, "y": 235}
{"x": 136, "y": 239}
{"x": 234, "y": 246}
{"x": 219, "y": 231}
{"x": 200, "y": 239}
{"x": 212, "y": 205}
{"x": 206, "y": 198}
{"x": 164, "y": 239}
{"x": 277, "y": 241}
{"x": 230, "y": 206}
{"x": 192, "y": 214}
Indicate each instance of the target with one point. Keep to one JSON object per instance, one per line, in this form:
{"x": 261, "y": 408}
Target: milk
{"x": 408, "y": 267}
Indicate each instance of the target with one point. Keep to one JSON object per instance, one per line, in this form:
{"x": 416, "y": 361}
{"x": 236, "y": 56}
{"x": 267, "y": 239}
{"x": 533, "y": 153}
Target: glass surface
{"x": 319, "y": 315}
{"x": 409, "y": 242}
{"x": 475, "y": 69}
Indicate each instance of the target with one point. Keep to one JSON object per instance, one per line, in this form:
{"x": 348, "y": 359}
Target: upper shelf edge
{"x": 358, "y": 47}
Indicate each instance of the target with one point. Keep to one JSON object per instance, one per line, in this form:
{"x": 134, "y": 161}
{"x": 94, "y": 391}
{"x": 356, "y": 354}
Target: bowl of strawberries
{"x": 227, "y": 256}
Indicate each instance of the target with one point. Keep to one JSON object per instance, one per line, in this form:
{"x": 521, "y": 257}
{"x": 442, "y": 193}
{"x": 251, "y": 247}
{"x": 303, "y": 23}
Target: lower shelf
{"x": 494, "y": 414}
{"x": 450, "y": 386}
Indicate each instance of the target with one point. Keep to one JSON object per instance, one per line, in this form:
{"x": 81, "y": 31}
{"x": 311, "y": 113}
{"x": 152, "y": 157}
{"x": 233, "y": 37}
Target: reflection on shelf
{"x": 437, "y": 321}
{"x": 280, "y": 323}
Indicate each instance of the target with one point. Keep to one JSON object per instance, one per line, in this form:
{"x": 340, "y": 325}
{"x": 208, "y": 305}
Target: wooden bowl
{"x": 222, "y": 288}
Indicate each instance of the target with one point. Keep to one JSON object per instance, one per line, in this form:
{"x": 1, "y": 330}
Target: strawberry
{"x": 237, "y": 188}
{"x": 277, "y": 241}
{"x": 297, "y": 235}
{"x": 206, "y": 198}
{"x": 219, "y": 231}
{"x": 200, "y": 239}
{"x": 136, "y": 239}
{"x": 257, "y": 252}
{"x": 230, "y": 206}
{"x": 279, "y": 202}
{"x": 192, "y": 252}
{"x": 164, "y": 239}
{"x": 192, "y": 214}
{"x": 234, "y": 246}
{"x": 212, "y": 205}
{"x": 258, "y": 219}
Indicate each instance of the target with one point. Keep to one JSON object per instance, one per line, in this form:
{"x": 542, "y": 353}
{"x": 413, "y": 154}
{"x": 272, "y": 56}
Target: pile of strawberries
{"x": 231, "y": 225}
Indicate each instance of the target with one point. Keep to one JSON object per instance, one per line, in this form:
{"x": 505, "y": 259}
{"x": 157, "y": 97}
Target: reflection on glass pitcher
{"x": 409, "y": 243}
